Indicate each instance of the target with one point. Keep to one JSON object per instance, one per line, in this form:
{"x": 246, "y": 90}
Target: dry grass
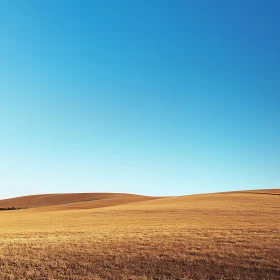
{"x": 215, "y": 236}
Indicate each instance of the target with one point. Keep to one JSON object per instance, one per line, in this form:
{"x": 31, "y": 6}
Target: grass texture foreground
{"x": 119, "y": 236}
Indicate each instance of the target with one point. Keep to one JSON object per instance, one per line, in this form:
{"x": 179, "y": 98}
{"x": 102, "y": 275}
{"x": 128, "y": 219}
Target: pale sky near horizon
{"x": 148, "y": 97}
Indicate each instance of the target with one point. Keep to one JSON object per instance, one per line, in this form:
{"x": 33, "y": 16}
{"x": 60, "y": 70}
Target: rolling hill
{"x": 232, "y": 235}
{"x": 72, "y": 200}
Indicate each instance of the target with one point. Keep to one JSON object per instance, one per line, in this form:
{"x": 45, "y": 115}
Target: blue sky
{"x": 150, "y": 97}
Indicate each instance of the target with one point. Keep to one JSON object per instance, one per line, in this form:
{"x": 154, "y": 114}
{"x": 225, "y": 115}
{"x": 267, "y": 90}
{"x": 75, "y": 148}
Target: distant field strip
{"x": 35, "y": 201}
{"x": 263, "y": 193}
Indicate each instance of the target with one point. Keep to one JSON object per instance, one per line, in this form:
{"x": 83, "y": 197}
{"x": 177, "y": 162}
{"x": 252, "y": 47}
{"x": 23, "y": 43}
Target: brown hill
{"x": 72, "y": 200}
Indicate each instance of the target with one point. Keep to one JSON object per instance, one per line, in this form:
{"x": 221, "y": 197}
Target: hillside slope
{"x": 72, "y": 200}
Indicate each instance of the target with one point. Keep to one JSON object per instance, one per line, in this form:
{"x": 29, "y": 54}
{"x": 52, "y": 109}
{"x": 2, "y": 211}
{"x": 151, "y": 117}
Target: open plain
{"x": 232, "y": 235}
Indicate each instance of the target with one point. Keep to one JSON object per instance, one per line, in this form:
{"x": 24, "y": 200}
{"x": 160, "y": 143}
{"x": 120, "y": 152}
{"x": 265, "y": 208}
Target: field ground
{"x": 105, "y": 236}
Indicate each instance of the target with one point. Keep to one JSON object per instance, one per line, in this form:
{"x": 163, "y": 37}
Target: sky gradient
{"x": 149, "y": 97}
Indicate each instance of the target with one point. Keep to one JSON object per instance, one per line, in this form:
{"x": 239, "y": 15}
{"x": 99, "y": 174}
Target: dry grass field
{"x": 107, "y": 236}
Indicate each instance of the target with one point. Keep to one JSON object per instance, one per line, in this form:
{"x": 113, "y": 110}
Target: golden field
{"x": 117, "y": 236}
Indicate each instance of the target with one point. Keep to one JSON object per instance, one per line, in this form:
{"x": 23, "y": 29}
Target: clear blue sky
{"x": 151, "y": 97}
